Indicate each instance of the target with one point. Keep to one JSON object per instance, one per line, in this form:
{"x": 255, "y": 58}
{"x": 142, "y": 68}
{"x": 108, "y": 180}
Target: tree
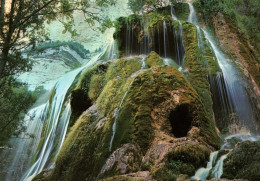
{"x": 22, "y": 25}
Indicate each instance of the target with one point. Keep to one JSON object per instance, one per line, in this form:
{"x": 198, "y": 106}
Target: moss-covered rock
{"x": 154, "y": 31}
{"x": 200, "y": 64}
{"x": 243, "y": 162}
{"x": 138, "y": 108}
{"x": 153, "y": 59}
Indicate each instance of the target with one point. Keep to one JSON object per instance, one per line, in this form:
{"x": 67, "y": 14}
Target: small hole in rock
{"x": 181, "y": 119}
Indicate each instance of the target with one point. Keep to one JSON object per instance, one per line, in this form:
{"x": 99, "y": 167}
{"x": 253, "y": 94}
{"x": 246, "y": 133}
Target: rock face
{"x": 237, "y": 46}
{"x": 50, "y": 64}
{"x": 243, "y": 162}
{"x": 141, "y": 124}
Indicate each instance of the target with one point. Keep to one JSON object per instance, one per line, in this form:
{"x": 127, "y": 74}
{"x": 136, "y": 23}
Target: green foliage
{"x": 137, "y": 5}
{"x": 246, "y": 15}
{"x": 26, "y": 20}
{"x": 182, "y": 11}
{"x": 15, "y": 100}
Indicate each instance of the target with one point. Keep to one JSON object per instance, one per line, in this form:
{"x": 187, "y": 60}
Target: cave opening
{"x": 181, "y": 119}
{"x": 80, "y": 102}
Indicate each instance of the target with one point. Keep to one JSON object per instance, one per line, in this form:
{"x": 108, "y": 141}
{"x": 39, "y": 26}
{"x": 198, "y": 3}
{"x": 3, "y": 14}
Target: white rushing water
{"x": 202, "y": 173}
{"x": 164, "y": 38}
{"x": 218, "y": 169}
{"x": 57, "y": 122}
{"x": 236, "y": 88}
{"x": 234, "y": 85}
{"x": 179, "y": 41}
{"x": 23, "y": 146}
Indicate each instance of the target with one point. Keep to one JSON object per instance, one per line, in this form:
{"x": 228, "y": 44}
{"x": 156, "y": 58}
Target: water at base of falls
{"x": 202, "y": 173}
{"x": 215, "y": 167}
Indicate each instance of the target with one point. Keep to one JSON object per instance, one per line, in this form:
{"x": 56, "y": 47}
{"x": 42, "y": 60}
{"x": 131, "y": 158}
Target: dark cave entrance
{"x": 181, "y": 119}
{"x": 80, "y": 102}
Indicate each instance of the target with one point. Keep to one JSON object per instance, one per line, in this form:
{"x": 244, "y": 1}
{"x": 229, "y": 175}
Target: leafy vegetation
{"x": 245, "y": 13}
{"x": 15, "y": 100}
{"x": 24, "y": 19}
{"x": 137, "y": 5}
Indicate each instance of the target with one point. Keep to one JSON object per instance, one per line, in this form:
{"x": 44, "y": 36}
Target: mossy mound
{"x": 243, "y": 162}
{"x": 153, "y": 59}
{"x": 127, "y": 104}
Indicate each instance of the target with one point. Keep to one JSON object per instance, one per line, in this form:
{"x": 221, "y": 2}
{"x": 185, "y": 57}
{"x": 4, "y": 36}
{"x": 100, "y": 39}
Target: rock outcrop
{"x": 141, "y": 124}
{"x": 243, "y": 162}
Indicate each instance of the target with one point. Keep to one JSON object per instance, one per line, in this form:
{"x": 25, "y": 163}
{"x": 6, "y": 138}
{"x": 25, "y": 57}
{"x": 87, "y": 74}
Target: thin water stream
{"x": 117, "y": 111}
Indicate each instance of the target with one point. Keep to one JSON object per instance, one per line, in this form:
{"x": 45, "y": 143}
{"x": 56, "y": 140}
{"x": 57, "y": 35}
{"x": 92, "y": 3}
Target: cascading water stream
{"x": 202, "y": 173}
{"x": 121, "y": 103}
{"x": 179, "y": 41}
{"x": 232, "y": 86}
{"x": 214, "y": 166}
{"x": 236, "y": 89}
{"x": 58, "y": 117}
{"x": 55, "y": 109}
{"x": 24, "y": 146}
{"x": 164, "y": 38}
{"x": 232, "y": 90}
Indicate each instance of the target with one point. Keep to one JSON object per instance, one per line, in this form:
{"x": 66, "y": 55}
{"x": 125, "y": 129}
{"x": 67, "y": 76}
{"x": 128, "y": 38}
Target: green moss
{"x": 194, "y": 62}
{"x": 165, "y": 174}
{"x": 184, "y": 159}
{"x": 153, "y": 59}
{"x": 86, "y": 148}
{"x": 243, "y": 162}
{"x": 123, "y": 68}
{"x": 52, "y": 94}
{"x": 96, "y": 85}
{"x": 198, "y": 73}
{"x": 86, "y": 78}
{"x": 182, "y": 11}
{"x": 195, "y": 154}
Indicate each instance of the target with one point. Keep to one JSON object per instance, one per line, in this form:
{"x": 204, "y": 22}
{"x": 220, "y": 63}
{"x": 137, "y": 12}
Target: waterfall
{"x": 192, "y": 16}
{"x": 121, "y": 103}
{"x": 111, "y": 52}
{"x": 54, "y": 114}
{"x": 230, "y": 85}
{"x": 231, "y": 88}
{"x": 202, "y": 173}
{"x": 164, "y": 38}
{"x": 57, "y": 117}
{"x": 236, "y": 87}
{"x": 173, "y": 14}
{"x": 24, "y": 146}
{"x": 179, "y": 41}
{"x": 218, "y": 169}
